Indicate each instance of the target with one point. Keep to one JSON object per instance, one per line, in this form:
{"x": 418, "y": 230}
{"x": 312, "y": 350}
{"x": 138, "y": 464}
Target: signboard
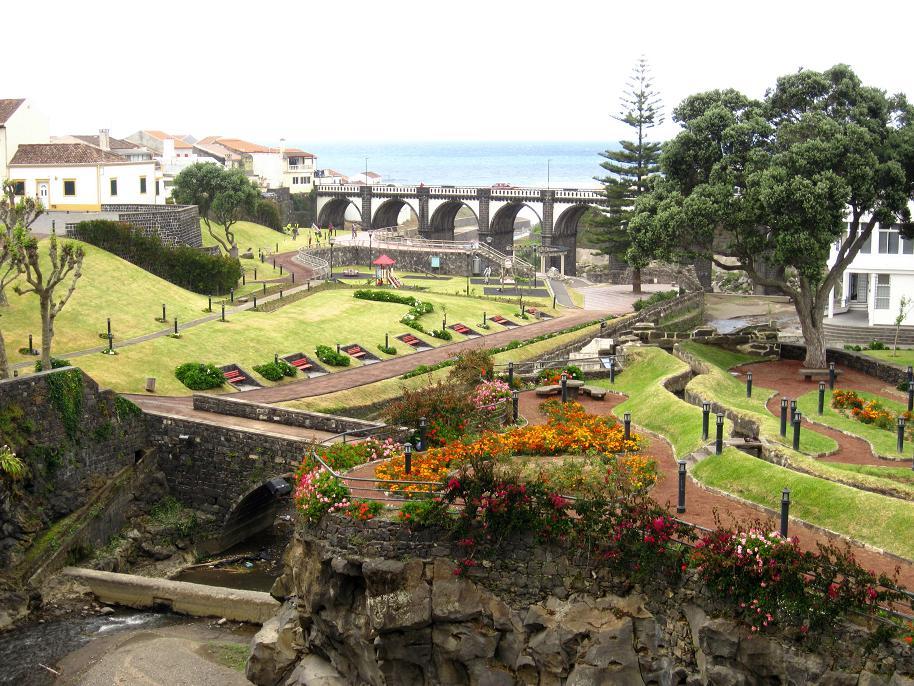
{"x": 436, "y": 262}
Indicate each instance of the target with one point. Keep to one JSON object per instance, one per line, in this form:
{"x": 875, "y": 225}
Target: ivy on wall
{"x": 66, "y": 395}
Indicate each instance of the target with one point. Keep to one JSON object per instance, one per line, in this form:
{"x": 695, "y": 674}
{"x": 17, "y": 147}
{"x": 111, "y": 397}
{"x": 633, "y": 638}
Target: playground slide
{"x": 394, "y": 281}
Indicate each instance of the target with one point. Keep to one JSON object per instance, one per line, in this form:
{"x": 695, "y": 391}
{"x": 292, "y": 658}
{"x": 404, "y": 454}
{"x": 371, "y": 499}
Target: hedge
{"x": 56, "y": 363}
{"x": 655, "y": 298}
{"x": 330, "y": 356}
{"x": 190, "y": 268}
{"x": 387, "y": 297}
{"x": 198, "y": 376}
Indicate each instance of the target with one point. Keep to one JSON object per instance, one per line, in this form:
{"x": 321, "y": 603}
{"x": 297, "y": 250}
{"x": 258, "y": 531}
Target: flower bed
{"x": 870, "y": 411}
{"x": 554, "y": 376}
{"x": 491, "y": 395}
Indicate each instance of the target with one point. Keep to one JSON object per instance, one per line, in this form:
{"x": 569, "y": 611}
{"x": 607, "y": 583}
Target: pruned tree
{"x": 66, "y": 261}
{"x": 14, "y": 212}
{"x": 790, "y": 186}
{"x": 629, "y": 169}
{"x": 8, "y": 274}
{"x": 222, "y": 196}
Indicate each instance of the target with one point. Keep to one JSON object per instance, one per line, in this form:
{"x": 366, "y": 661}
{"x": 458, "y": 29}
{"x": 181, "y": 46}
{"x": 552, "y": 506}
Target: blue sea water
{"x": 569, "y": 164}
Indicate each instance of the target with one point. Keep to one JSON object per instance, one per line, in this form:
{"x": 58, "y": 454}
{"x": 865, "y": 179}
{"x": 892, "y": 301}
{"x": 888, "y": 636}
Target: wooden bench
{"x": 409, "y": 339}
{"x": 355, "y": 351}
{"x": 233, "y": 376}
{"x": 808, "y": 374}
{"x": 594, "y": 392}
{"x": 302, "y": 363}
{"x": 498, "y": 319}
{"x": 460, "y": 328}
{"x": 543, "y": 391}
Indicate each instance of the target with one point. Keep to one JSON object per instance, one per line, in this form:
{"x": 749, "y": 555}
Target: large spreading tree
{"x": 222, "y": 196}
{"x": 772, "y": 186}
{"x": 628, "y": 169}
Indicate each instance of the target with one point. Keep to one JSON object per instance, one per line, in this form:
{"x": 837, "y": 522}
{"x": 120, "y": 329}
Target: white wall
{"x": 93, "y": 186}
{"x": 899, "y": 285}
{"x": 269, "y": 166}
{"x": 26, "y": 125}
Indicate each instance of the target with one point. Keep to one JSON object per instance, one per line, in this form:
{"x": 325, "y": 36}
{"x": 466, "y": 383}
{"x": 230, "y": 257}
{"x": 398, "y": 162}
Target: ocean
{"x": 569, "y": 164}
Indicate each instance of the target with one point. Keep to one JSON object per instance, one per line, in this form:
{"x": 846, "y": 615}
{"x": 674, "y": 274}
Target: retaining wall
{"x": 852, "y": 360}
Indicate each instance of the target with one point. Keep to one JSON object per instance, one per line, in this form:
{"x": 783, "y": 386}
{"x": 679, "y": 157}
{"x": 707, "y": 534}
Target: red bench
{"x": 460, "y": 328}
{"x": 301, "y": 363}
{"x": 234, "y": 376}
{"x": 355, "y": 351}
{"x": 498, "y": 319}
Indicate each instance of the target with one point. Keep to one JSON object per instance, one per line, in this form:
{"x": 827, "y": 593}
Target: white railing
{"x": 586, "y": 194}
{"x": 320, "y": 268}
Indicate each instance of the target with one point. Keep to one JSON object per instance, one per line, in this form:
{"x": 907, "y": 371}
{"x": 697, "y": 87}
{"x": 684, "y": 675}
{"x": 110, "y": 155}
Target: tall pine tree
{"x": 628, "y": 170}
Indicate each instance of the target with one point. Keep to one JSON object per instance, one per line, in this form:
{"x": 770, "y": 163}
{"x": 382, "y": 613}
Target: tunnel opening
{"x": 255, "y": 512}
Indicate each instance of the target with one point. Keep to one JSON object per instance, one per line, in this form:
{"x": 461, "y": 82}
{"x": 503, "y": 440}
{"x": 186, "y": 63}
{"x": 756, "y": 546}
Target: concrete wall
{"x": 272, "y": 413}
{"x": 453, "y": 263}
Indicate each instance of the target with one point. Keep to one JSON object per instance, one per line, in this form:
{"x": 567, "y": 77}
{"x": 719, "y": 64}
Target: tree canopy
{"x": 776, "y": 183}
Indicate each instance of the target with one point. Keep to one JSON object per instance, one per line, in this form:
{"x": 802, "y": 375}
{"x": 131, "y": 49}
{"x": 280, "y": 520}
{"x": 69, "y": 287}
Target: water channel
{"x": 253, "y": 564}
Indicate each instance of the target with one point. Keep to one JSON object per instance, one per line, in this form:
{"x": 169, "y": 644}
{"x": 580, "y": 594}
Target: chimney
{"x": 104, "y": 140}
{"x": 282, "y": 147}
{"x": 168, "y": 148}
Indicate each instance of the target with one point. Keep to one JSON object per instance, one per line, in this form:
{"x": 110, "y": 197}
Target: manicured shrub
{"x": 471, "y": 367}
{"x": 653, "y": 299}
{"x": 275, "y": 370}
{"x": 387, "y": 349}
{"x": 56, "y": 363}
{"x": 554, "y": 376}
{"x": 328, "y": 355}
{"x": 266, "y": 212}
{"x": 442, "y": 334}
{"x": 391, "y": 297}
{"x": 190, "y": 268}
{"x": 447, "y": 408}
{"x": 198, "y": 376}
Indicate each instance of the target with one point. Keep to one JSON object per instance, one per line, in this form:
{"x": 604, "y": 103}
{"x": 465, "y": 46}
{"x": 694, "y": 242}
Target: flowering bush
{"x": 471, "y": 366}
{"x": 447, "y": 408}
{"x": 490, "y": 396}
{"x": 772, "y": 581}
{"x": 317, "y": 493}
{"x": 554, "y": 376}
{"x": 429, "y": 512}
{"x": 870, "y": 411}
{"x": 363, "y": 510}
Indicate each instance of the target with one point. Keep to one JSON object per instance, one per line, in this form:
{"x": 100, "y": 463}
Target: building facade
{"x": 80, "y": 177}
{"x": 20, "y": 123}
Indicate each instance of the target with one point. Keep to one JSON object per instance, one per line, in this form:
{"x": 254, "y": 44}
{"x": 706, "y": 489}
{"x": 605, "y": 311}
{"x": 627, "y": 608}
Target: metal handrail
{"x": 318, "y": 265}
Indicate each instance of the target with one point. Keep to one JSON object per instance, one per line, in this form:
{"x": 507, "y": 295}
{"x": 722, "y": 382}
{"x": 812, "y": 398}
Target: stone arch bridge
{"x": 559, "y": 210}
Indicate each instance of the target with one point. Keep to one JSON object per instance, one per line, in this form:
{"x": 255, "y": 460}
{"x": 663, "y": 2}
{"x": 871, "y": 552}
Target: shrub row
{"x": 198, "y": 376}
{"x": 653, "y": 299}
{"x": 387, "y": 297}
{"x": 183, "y": 266}
{"x": 328, "y": 355}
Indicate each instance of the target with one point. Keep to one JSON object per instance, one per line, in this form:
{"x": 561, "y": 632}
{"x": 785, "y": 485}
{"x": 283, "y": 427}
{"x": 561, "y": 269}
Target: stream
{"x": 253, "y": 565}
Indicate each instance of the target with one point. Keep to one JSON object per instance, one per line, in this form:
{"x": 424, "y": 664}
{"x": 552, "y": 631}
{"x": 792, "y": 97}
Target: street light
{"x": 332, "y": 241}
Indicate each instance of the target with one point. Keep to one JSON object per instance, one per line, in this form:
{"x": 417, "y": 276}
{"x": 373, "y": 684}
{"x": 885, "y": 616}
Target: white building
{"x": 330, "y": 177}
{"x": 369, "y": 178}
{"x": 19, "y": 123}
{"x": 82, "y": 177}
{"x": 105, "y": 141}
{"x": 298, "y": 170}
{"x": 874, "y": 283}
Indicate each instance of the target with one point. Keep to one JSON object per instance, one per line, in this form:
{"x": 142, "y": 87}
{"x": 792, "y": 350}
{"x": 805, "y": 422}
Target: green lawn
{"x": 251, "y": 338}
{"x": 875, "y": 519}
{"x": 904, "y": 358}
{"x": 109, "y": 287}
{"x": 723, "y": 387}
{"x": 651, "y": 405}
{"x": 882, "y": 441}
{"x": 255, "y": 237}
{"x": 388, "y": 389}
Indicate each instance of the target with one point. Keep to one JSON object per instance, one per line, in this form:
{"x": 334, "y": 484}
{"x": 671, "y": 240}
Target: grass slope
{"x": 904, "y": 358}
{"x": 878, "y": 520}
{"x": 883, "y": 441}
{"x": 723, "y": 387}
{"x": 251, "y": 338}
{"x": 109, "y": 287}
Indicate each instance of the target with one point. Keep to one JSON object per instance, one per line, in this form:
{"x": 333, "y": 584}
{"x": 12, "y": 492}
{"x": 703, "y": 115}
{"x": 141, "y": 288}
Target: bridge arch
{"x": 334, "y": 212}
{"x": 388, "y": 213}
{"x": 441, "y": 225}
{"x": 255, "y": 510}
{"x": 503, "y": 221}
{"x": 565, "y": 235}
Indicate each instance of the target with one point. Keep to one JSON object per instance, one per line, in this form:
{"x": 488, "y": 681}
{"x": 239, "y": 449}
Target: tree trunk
{"x": 636, "y": 280}
{"x": 4, "y": 302}
{"x": 233, "y": 251}
{"x": 4, "y": 362}
{"x": 810, "y": 311}
{"x": 47, "y": 333}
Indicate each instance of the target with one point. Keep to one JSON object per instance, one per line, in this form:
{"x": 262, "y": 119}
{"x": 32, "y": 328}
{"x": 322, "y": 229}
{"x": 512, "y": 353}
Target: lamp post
{"x": 565, "y": 389}
{"x": 749, "y": 384}
{"x": 797, "y": 420}
{"x": 332, "y": 241}
{"x": 910, "y": 389}
{"x": 423, "y": 426}
{"x": 719, "y": 438}
{"x": 627, "y": 425}
{"x": 821, "y": 397}
{"x": 408, "y": 455}
{"x": 785, "y": 511}
{"x": 705, "y": 420}
{"x": 784, "y": 402}
{"x": 515, "y": 402}
{"x": 680, "y": 507}
{"x": 901, "y": 423}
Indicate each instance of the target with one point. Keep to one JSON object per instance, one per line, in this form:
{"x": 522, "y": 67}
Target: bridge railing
{"x": 319, "y": 267}
{"x": 516, "y": 192}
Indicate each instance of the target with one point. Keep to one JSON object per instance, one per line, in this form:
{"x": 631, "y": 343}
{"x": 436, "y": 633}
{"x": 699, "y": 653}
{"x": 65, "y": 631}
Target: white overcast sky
{"x": 325, "y": 70}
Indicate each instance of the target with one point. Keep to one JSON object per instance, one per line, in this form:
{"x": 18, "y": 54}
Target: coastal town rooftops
{"x": 29, "y": 154}
{"x": 295, "y": 152}
{"x": 8, "y": 108}
{"x": 115, "y": 143}
{"x": 162, "y": 136}
{"x": 239, "y": 145}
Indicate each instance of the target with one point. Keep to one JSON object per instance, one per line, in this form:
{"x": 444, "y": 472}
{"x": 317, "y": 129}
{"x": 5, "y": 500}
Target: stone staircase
{"x": 861, "y": 335}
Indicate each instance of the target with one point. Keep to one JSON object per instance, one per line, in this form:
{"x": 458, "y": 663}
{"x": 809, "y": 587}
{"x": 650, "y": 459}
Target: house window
{"x": 157, "y": 186}
{"x": 882, "y": 292}
{"x": 69, "y": 186}
{"x": 113, "y": 187}
{"x": 888, "y": 242}
{"x": 142, "y": 184}
{"x": 867, "y": 246}
{"x": 907, "y": 246}
{"x": 306, "y": 179}
{"x": 18, "y": 187}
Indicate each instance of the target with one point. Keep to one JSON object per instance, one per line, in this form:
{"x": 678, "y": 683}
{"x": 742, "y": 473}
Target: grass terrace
{"x": 904, "y": 358}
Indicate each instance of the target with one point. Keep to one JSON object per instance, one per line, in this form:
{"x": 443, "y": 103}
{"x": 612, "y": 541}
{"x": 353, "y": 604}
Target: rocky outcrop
{"x": 358, "y": 619}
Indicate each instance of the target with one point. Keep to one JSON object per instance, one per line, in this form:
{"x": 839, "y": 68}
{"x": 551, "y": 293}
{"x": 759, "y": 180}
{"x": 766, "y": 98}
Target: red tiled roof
{"x": 8, "y": 108}
{"x": 239, "y": 145}
{"x": 295, "y": 152}
{"x": 62, "y": 153}
{"x": 115, "y": 143}
{"x": 162, "y": 136}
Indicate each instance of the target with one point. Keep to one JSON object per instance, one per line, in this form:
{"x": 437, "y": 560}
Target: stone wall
{"x": 211, "y": 467}
{"x": 374, "y": 603}
{"x": 72, "y": 437}
{"x": 453, "y": 263}
{"x": 852, "y": 360}
{"x": 271, "y": 413}
{"x": 174, "y": 224}
{"x": 759, "y": 341}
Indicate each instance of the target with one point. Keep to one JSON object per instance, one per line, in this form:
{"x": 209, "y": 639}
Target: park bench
{"x": 355, "y": 351}
{"x": 463, "y": 329}
{"x": 498, "y": 319}
{"x": 413, "y": 341}
{"x": 234, "y": 377}
{"x": 302, "y": 363}
{"x": 594, "y": 392}
{"x": 544, "y": 391}
{"x": 808, "y": 374}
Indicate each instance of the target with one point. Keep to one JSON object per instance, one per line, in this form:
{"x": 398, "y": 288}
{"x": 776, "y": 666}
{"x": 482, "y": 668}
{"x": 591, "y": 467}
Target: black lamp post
{"x": 423, "y": 426}
{"x": 612, "y": 370}
{"x": 565, "y": 388}
{"x": 784, "y": 416}
{"x": 831, "y": 375}
{"x": 749, "y": 384}
{"x": 627, "y": 425}
{"x": 821, "y": 397}
{"x": 332, "y": 241}
{"x": 510, "y": 373}
{"x": 901, "y": 423}
{"x": 705, "y": 420}
{"x": 797, "y": 421}
{"x": 408, "y": 455}
{"x": 680, "y": 507}
{"x": 910, "y": 389}
{"x": 719, "y": 438}
{"x": 515, "y": 402}
{"x": 785, "y": 511}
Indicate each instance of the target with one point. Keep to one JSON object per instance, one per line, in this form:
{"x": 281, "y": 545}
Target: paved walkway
{"x": 302, "y": 275}
{"x": 562, "y": 296}
{"x": 616, "y": 299}
{"x": 386, "y": 369}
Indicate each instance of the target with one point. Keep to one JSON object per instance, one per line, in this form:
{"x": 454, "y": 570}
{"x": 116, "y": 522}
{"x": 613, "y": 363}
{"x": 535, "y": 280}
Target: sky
{"x": 326, "y": 70}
